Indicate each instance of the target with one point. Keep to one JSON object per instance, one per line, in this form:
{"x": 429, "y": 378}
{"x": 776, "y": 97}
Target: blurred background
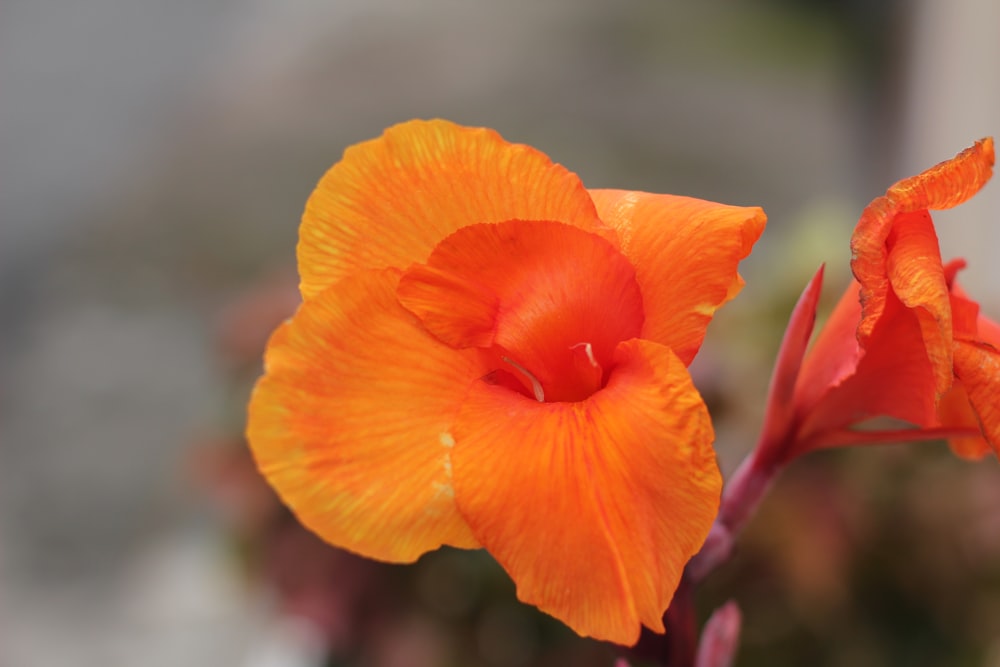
{"x": 156, "y": 157}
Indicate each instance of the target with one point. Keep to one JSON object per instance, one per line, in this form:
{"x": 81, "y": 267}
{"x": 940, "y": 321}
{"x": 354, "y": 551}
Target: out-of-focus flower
{"x": 488, "y": 354}
{"x": 904, "y": 341}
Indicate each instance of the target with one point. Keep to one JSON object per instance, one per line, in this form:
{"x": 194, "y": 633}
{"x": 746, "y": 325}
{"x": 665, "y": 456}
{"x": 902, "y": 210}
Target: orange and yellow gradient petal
{"x": 390, "y": 200}
{"x": 685, "y": 252}
{"x": 350, "y": 423}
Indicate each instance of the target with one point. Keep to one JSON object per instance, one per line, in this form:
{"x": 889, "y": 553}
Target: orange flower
{"x": 488, "y": 354}
{"x": 904, "y": 341}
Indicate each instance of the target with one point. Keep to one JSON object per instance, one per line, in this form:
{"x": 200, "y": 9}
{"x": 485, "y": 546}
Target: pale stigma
{"x": 536, "y": 386}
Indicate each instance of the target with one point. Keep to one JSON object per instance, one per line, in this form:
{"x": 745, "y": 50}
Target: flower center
{"x": 546, "y": 302}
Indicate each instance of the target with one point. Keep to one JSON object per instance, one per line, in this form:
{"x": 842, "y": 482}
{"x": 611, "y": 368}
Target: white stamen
{"x": 536, "y": 386}
{"x": 589, "y": 350}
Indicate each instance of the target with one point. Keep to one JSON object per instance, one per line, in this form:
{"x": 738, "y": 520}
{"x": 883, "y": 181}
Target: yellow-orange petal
{"x": 351, "y": 422}
{"x": 943, "y": 186}
{"x": 390, "y": 200}
{"x": 977, "y": 366}
{"x": 917, "y": 277}
{"x": 685, "y": 252}
{"x": 593, "y": 507}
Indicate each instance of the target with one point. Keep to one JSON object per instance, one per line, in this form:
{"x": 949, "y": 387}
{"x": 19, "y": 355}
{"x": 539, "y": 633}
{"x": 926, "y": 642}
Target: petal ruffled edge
{"x": 685, "y": 252}
{"x": 390, "y": 200}
{"x": 943, "y": 186}
{"x": 350, "y": 423}
{"x": 593, "y": 507}
{"x": 917, "y": 276}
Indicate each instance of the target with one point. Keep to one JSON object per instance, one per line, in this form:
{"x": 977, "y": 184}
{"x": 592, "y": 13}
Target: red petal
{"x": 555, "y": 300}
{"x": 893, "y": 378}
{"x": 779, "y": 413}
{"x": 835, "y": 354}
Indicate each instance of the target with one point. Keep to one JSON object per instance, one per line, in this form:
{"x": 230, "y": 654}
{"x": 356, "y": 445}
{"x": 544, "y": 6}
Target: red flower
{"x": 489, "y": 354}
{"x": 904, "y": 341}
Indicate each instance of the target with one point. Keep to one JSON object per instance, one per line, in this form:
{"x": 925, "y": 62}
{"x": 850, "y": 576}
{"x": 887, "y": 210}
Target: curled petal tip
{"x": 948, "y": 183}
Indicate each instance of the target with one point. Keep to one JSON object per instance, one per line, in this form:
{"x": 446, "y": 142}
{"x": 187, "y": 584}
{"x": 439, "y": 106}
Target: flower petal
{"x": 542, "y": 291}
{"x": 893, "y": 378}
{"x": 390, "y": 200}
{"x": 779, "y": 413}
{"x": 350, "y": 423}
{"x": 685, "y": 252}
{"x": 956, "y": 412}
{"x": 977, "y": 366}
{"x": 593, "y": 507}
{"x": 941, "y": 187}
{"x": 833, "y": 356}
{"x": 917, "y": 277}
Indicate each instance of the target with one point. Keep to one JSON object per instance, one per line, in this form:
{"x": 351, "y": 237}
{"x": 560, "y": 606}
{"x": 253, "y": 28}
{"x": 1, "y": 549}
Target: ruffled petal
{"x": 685, "y": 252}
{"x": 593, "y": 507}
{"x": 390, "y": 200}
{"x": 941, "y": 187}
{"x": 351, "y": 422}
{"x": 554, "y": 299}
{"x": 917, "y": 277}
{"x": 977, "y": 366}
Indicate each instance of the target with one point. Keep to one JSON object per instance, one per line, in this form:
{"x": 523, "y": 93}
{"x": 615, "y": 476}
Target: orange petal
{"x": 977, "y": 366}
{"x": 956, "y": 412}
{"x": 968, "y": 322}
{"x": 988, "y": 331}
{"x": 685, "y": 252}
{"x": 917, "y": 277}
{"x": 351, "y": 422}
{"x": 593, "y": 507}
{"x": 941, "y": 187}
{"x": 543, "y": 292}
{"x": 949, "y": 183}
{"x": 390, "y": 200}
{"x": 893, "y": 378}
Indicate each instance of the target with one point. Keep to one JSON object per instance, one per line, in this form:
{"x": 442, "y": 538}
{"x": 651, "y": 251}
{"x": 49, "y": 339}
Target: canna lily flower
{"x": 904, "y": 341}
{"x": 490, "y": 355}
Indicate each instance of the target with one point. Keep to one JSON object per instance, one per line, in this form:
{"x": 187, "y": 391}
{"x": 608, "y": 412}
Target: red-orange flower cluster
{"x": 488, "y": 354}
{"x": 904, "y": 341}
